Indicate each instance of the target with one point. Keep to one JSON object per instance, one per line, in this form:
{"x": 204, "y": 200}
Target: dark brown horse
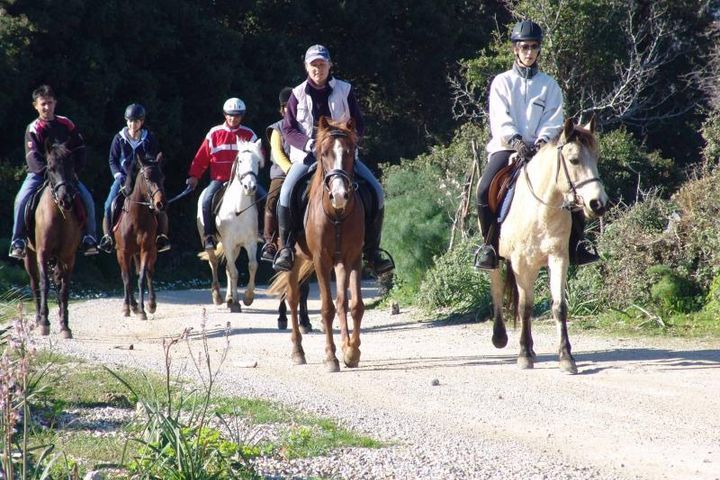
{"x": 59, "y": 220}
{"x": 333, "y": 240}
{"x": 136, "y": 232}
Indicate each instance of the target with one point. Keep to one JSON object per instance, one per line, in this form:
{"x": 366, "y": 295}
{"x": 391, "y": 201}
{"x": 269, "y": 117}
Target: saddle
{"x": 300, "y": 196}
{"x": 502, "y": 189}
{"x": 32, "y": 205}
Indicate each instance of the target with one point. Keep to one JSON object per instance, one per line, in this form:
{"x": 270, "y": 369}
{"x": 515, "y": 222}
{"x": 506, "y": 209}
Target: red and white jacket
{"x": 218, "y": 151}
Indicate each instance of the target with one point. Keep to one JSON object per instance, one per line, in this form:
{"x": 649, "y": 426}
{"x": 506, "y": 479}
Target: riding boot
{"x": 486, "y": 257}
{"x": 371, "y": 250}
{"x": 582, "y": 252}
{"x": 106, "y": 242}
{"x": 269, "y": 231}
{"x": 285, "y": 257}
{"x": 162, "y": 240}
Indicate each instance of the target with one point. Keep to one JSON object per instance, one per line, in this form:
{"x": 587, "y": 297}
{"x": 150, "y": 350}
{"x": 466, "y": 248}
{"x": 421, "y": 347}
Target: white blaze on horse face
{"x": 248, "y": 182}
{"x": 592, "y": 194}
{"x": 338, "y": 190}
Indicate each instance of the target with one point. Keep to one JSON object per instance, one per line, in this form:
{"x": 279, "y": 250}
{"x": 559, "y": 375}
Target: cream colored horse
{"x": 536, "y": 232}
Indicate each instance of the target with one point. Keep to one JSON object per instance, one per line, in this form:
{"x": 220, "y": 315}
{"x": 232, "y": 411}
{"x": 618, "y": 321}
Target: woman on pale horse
{"x": 526, "y": 111}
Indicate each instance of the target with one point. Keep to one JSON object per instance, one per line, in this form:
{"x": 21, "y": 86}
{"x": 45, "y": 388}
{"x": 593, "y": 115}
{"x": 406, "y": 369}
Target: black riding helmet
{"x": 284, "y": 95}
{"x": 526, "y": 30}
{"x": 135, "y": 111}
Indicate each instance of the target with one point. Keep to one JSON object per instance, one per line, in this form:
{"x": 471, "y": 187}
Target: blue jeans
{"x": 298, "y": 169}
{"x": 114, "y": 191}
{"x": 207, "y": 196}
{"x": 30, "y": 185}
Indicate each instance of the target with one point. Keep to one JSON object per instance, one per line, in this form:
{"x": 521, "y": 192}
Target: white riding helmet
{"x": 234, "y": 106}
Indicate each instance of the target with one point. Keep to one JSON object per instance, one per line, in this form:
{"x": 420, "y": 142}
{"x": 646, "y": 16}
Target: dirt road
{"x": 451, "y": 404}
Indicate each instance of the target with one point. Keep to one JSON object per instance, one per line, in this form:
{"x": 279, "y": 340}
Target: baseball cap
{"x": 317, "y": 52}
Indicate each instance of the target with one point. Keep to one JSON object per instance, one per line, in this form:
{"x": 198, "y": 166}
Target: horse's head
{"x": 578, "y": 158}
{"x": 247, "y": 165}
{"x": 336, "y": 150}
{"x": 150, "y": 180}
{"x": 60, "y": 172}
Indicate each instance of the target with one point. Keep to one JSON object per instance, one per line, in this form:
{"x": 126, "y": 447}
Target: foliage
{"x": 671, "y": 292}
{"x": 453, "y": 282}
{"x": 711, "y": 134}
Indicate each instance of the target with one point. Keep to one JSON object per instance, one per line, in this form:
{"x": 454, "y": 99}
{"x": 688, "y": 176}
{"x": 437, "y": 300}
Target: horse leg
{"x": 44, "y": 288}
{"x": 525, "y": 285}
{"x": 305, "y": 324}
{"x": 133, "y": 302}
{"x": 251, "y": 250}
{"x": 215, "y": 287}
{"x": 327, "y": 312}
{"x": 282, "y": 320}
{"x": 341, "y": 306}
{"x": 152, "y": 302}
{"x": 142, "y": 280}
{"x": 125, "y": 266}
{"x": 63, "y": 294}
{"x": 298, "y": 354}
{"x": 357, "y": 310}
{"x": 499, "y": 338}
{"x": 558, "y": 274}
{"x": 232, "y": 278}
{"x": 32, "y": 269}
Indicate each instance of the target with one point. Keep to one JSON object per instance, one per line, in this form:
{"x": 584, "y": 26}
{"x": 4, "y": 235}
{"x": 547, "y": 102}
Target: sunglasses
{"x": 526, "y": 47}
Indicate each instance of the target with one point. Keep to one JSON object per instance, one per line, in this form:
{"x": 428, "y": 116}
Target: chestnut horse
{"x": 332, "y": 240}
{"x": 59, "y": 220}
{"x": 561, "y": 177}
{"x": 136, "y": 233}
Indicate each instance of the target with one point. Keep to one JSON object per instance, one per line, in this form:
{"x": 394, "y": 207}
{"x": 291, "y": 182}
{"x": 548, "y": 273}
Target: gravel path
{"x": 449, "y": 404}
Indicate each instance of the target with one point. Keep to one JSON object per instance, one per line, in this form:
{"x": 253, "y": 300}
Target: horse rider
{"x": 321, "y": 94}
{"x": 279, "y": 154}
{"x": 55, "y": 129}
{"x": 132, "y": 140}
{"x": 218, "y": 151}
{"x": 526, "y": 111}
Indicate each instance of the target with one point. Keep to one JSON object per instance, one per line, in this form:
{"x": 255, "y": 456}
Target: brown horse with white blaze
{"x": 136, "y": 232}
{"x": 332, "y": 241}
{"x": 561, "y": 177}
{"x": 59, "y": 220}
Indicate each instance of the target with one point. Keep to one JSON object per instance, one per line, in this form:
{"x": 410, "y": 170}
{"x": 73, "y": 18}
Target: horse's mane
{"x": 56, "y": 152}
{"x": 580, "y": 134}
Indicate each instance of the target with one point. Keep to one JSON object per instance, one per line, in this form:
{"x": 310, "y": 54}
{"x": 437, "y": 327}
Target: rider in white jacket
{"x": 526, "y": 111}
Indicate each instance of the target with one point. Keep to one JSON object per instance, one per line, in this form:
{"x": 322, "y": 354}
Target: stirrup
{"x": 106, "y": 244}
{"x": 284, "y": 264}
{"x": 489, "y": 260}
{"x": 17, "y": 249}
{"x": 378, "y": 264}
{"x": 89, "y": 245}
{"x": 268, "y": 252}
{"x": 210, "y": 243}
{"x": 163, "y": 243}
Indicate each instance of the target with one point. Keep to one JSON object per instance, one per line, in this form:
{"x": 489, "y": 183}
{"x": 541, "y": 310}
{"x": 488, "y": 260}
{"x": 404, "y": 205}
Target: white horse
{"x": 562, "y": 176}
{"x": 237, "y": 225}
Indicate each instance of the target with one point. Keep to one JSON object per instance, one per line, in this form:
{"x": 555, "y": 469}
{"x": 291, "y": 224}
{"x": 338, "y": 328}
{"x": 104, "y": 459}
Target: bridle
{"x": 149, "y": 193}
{"x": 575, "y": 202}
{"x": 55, "y": 188}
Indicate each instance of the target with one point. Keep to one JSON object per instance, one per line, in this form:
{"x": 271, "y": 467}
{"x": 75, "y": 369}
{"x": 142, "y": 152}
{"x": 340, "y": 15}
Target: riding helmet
{"x": 135, "y": 111}
{"x": 234, "y": 106}
{"x": 526, "y": 30}
{"x": 284, "y": 95}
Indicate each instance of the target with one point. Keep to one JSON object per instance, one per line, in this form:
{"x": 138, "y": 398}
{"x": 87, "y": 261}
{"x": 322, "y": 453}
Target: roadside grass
{"x": 89, "y": 416}
{"x": 640, "y": 322}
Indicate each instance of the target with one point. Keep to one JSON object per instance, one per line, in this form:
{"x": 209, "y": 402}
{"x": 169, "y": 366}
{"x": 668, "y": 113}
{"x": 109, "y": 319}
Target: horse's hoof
{"x": 332, "y": 365}
{"x": 248, "y": 299}
{"x": 500, "y": 341}
{"x": 136, "y": 309}
{"x": 351, "y": 357}
{"x": 152, "y": 307}
{"x": 299, "y": 359}
{"x": 525, "y": 363}
{"x": 234, "y": 306}
{"x": 282, "y": 323}
{"x": 305, "y": 327}
{"x": 44, "y": 330}
{"x": 568, "y": 366}
{"x": 217, "y": 300}
{"x": 143, "y": 316}
{"x": 66, "y": 333}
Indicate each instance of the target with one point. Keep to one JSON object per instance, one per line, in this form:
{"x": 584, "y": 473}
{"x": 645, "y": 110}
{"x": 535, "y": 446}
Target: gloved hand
{"x": 523, "y": 150}
{"x": 192, "y": 182}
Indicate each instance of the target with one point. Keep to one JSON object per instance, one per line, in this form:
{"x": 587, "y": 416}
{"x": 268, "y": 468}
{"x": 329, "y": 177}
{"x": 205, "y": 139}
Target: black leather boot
{"x": 582, "y": 252}
{"x": 269, "y": 229}
{"x": 162, "y": 240}
{"x": 371, "y": 250}
{"x": 486, "y": 257}
{"x": 106, "y": 242}
{"x": 286, "y": 256}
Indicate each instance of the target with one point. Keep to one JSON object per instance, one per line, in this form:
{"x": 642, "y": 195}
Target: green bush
{"x": 454, "y": 283}
{"x": 671, "y": 292}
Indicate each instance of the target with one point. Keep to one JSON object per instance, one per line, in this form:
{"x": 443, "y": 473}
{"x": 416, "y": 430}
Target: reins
{"x": 569, "y": 205}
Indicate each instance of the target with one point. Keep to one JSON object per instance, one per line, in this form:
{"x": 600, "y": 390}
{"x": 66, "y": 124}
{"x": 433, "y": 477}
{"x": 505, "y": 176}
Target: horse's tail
{"x": 512, "y": 291}
{"x": 219, "y": 253}
{"x": 279, "y": 284}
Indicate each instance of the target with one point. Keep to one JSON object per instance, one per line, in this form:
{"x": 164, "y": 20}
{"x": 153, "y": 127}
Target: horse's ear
{"x": 323, "y": 123}
{"x": 591, "y": 125}
{"x": 140, "y": 159}
{"x": 258, "y": 145}
{"x": 159, "y": 158}
{"x": 568, "y": 129}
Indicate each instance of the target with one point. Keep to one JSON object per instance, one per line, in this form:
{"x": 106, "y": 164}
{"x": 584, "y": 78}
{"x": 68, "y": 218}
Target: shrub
{"x": 671, "y": 292}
